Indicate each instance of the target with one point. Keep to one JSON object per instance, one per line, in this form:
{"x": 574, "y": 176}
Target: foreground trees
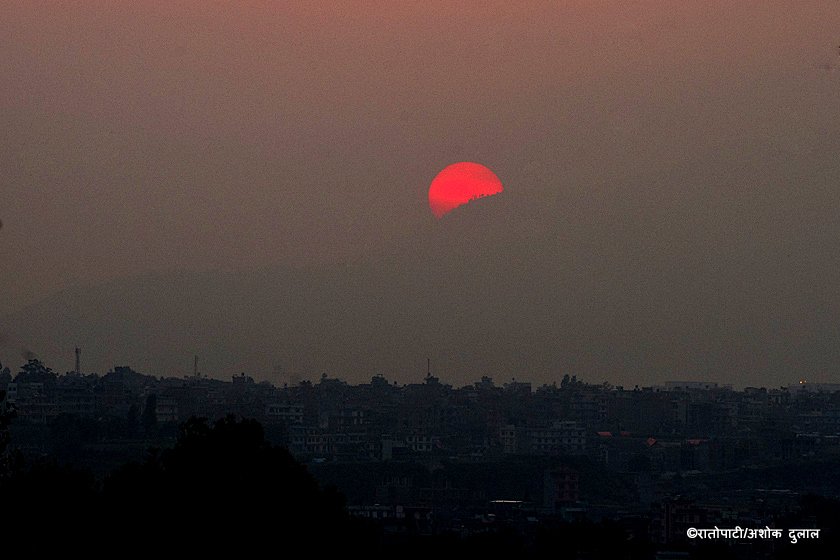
{"x": 221, "y": 489}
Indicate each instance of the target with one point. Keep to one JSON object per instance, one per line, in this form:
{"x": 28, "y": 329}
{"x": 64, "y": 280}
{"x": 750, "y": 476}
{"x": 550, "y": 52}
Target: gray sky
{"x": 671, "y": 173}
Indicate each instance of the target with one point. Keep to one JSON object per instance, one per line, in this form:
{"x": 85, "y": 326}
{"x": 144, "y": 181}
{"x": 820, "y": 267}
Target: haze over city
{"x": 248, "y": 183}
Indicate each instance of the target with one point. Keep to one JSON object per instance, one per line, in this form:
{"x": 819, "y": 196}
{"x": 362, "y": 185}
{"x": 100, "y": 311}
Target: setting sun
{"x": 460, "y": 183}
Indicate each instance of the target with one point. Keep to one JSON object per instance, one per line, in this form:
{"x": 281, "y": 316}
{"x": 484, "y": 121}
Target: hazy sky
{"x": 671, "y": 173}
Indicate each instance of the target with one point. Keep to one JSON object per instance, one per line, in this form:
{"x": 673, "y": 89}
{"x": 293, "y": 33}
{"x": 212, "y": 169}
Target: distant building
{"x": 807, "y": 386}
{"x": 561, "y": 437}
{"x": 518, "y": 388}
{"x": 166, "y": 408}
{"x": 509, "y": 439}
{"x": 284, "y": 413}
{"x": 694, "y": 385}
{"x": 32, "y": 402}
{"x": 561, "y": 488}
{"x": 421, "y": 443}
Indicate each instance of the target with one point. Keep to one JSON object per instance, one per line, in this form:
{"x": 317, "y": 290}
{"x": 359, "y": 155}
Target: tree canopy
{"x": 221, "y": 488}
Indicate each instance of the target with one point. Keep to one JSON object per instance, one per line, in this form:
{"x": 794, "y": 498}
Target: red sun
{"x": 460, "y": 183}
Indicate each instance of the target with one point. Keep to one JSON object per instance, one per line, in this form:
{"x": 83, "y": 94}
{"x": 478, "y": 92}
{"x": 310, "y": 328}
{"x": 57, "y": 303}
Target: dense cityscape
{"x": 429, "y": 458}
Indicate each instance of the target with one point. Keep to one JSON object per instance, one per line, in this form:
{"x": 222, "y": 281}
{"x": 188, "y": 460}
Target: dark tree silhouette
{"x": 69, "y": 434}
{"x": 132, "y": 422}
{"x": 5, "y": 420}
{"x": 5, "y": 375}
{"x": 222, "y": 489}
{"x": 34, "y": 371}
{"x": 46, "y": 507}
{"x": 148, "y": 420}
